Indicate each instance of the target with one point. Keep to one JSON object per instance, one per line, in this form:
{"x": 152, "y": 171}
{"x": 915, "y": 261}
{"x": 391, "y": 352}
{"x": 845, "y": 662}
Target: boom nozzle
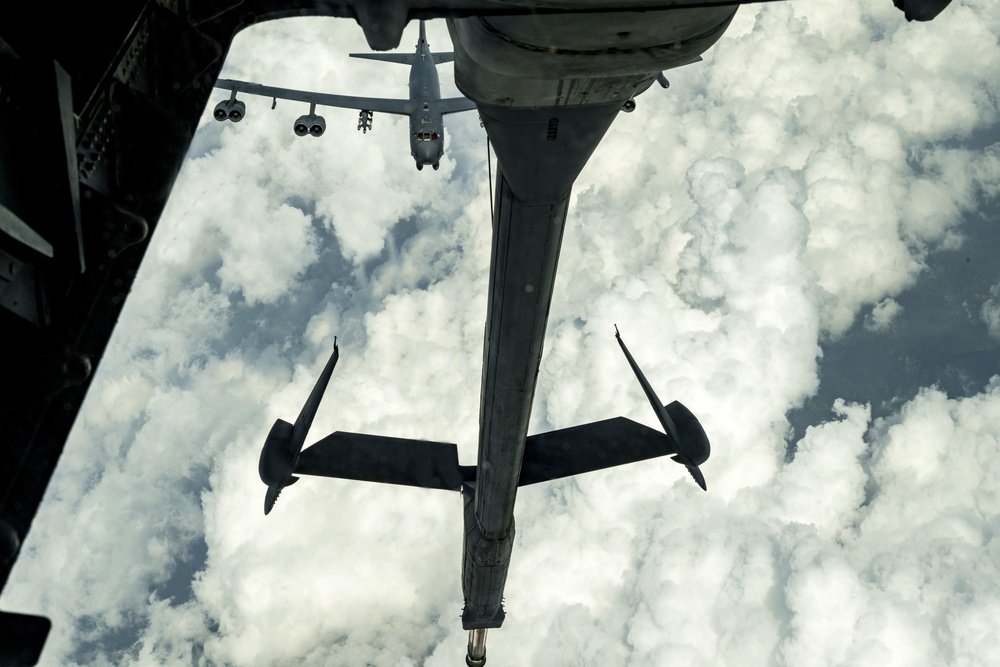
{"x": 476, "y": 656}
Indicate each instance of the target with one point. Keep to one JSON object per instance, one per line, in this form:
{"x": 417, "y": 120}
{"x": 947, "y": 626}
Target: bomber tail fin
{"x": 404, "y": 58}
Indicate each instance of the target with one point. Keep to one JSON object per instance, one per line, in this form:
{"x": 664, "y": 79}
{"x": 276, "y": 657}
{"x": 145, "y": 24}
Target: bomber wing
{"x": 382, "y": 105}
{"x": 455, "y": 104}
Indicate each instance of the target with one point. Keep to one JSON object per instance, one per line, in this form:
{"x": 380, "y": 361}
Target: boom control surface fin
{"x": 375, "y": 458}
{"x": 683, "y": 428}
{"x": 284, "y": 442}
{"x": 595, "y": 446}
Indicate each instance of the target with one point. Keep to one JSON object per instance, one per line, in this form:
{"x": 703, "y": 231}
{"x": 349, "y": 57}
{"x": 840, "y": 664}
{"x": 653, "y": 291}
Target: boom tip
{"x": 270, "y": 497}
{"x": 698, "y": 477}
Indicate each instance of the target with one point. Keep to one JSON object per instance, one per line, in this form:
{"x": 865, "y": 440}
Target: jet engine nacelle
{"x": 629, "y": 105}
{"x": 233, "y": 110}
{"x": 310, "y": 124}
{"x": 921, "y": 10}
{"x": 237, "y": 110}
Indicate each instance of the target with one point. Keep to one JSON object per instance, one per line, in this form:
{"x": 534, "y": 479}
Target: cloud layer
{"x": 778, "y": 191}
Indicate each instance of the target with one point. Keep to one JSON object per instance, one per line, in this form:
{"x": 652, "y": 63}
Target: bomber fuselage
{"x": 426, "y": 125}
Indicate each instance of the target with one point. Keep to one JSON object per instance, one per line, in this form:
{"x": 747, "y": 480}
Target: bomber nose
{"x": 428, "y": 152}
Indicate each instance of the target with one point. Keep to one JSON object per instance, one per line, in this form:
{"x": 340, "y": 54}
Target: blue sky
{"x": 798, "y": 197}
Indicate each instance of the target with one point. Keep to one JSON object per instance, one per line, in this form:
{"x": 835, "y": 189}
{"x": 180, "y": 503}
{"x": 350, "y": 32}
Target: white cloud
{"x": 882, "y": 315}
{"x": 990, "y": 312}
{"x": 825, "y": 484}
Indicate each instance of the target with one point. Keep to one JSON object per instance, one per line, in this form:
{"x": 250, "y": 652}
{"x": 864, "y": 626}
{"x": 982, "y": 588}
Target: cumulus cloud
{"x": 990, "y": 312}
{"x": 882, "y": 315}
{"x": 790, "y": 184}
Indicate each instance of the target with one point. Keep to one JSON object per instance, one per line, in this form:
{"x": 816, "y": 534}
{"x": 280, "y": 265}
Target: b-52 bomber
{"x": 424, "y": 106}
